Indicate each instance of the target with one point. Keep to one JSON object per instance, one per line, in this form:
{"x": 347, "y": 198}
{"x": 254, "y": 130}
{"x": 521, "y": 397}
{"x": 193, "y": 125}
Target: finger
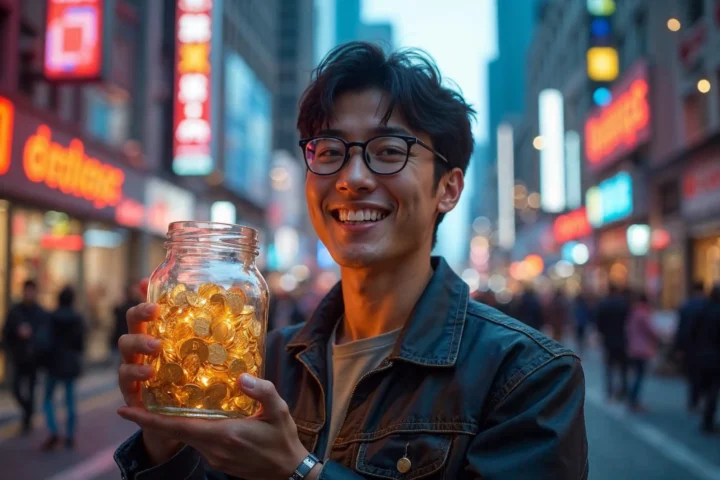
{"x": 185, "y": 430}
{"x": 133, "y": 345}
{"x": 273, "y": 406}
{"x": 138, "y": 315}
{"x": 129, "y": 378}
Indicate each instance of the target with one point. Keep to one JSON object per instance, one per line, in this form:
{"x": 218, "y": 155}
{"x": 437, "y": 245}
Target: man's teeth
{"x": 367, "y": 215}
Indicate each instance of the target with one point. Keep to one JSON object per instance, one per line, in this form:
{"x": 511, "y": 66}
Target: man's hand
{"x": 133, "y": 346}
{"x": 263, "y": 446}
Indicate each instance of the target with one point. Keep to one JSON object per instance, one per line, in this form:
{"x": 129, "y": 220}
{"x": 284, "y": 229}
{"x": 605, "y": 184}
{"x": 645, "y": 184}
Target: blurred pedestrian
{"x": 557, "y": 315}
{"x": 284, "y": 310}
{"x": 68, "y": 331}
{"x": 705, "y": 356}
{"x": 20, "y": 341}
{"x": 611, "y": 320}
{"x": 643, "y": 341}
{"x": 688, "y": 314}
{"x": 529, "y": 309}
{"x": 132, "y": 298}
{"x": 582, "y": 315}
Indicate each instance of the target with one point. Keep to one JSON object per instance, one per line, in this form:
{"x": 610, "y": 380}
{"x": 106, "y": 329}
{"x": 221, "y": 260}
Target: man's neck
{"x": 380, "y": 300}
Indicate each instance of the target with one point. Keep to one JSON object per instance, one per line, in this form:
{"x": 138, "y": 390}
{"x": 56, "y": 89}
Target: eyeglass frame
{"x": 409, "y": 139}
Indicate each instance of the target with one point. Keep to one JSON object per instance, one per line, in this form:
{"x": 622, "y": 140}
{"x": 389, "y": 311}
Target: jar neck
{"x": 213, "y": 241}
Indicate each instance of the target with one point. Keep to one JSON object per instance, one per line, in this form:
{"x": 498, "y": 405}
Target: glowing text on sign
{"x": 7, "y": 114}
{"x": 610, "y": 201}
{"x": 620, "y": 127}
{"x": 192, "y": 130}
{"x": 73, "y": 40}
{"x": 571, "y": 226}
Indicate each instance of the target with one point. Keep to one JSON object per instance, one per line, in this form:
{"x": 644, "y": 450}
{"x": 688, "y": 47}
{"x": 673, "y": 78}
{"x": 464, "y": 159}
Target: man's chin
{"x": 357, "y": 256}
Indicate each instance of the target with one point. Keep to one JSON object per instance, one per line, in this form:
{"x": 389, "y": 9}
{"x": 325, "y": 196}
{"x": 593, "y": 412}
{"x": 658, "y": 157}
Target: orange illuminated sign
{"x": 7, "y": 116}
{"x": 623, "y": 125}
{"x": 70, "y": 171}
{"x": 74, "y": 39}
{"x": 571, "y": 226}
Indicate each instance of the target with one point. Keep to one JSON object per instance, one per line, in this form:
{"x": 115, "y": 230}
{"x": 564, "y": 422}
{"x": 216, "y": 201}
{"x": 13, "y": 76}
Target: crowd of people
{"x": 630, "y": 341}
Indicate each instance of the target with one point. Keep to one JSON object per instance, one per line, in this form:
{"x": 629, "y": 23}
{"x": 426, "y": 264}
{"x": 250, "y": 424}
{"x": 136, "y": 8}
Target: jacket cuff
{"x": 334, "y": 471}
{"x": 132, "y": 459}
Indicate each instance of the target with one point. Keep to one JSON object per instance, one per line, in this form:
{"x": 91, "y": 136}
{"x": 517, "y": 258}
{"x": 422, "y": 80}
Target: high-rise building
{"x": 347, "y": 20}
{"x": 378, "y": 32}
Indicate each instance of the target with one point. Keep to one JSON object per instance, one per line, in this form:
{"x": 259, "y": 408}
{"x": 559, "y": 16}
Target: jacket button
{"x": 403, "y": 465}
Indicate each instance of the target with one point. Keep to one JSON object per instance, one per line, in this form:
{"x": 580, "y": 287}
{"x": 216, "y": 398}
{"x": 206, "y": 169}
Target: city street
{"x": 662, "y": 444}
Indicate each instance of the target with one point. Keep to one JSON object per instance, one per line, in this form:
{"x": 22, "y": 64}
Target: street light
{"x": 538, "y": 143}
{"x": 674, "y": 25}
{"x": 704, "y": 85}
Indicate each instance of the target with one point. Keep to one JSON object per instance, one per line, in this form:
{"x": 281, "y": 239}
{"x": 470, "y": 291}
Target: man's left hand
{"x": 263, "y": 446}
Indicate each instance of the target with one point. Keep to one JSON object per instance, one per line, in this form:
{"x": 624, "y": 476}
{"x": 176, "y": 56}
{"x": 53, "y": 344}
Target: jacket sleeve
{"x": 537, "y": 431}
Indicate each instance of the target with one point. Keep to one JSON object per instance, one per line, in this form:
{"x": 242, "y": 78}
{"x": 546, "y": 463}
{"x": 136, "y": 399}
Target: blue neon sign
{"x": 610, "y": 201}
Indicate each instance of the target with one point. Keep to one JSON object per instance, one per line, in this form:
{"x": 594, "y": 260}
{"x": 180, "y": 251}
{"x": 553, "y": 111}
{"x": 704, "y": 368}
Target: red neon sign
{"x": 619, "y": 128}
{"x": 73, "y": 39}
{"x": 572, "y": 226}
{"x": 7, "y": 115}
{"x": 73, "y": 243}
{"x": 192, "y": 126}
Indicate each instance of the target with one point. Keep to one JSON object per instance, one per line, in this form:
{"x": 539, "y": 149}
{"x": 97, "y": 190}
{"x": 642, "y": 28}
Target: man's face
{"x": 29, "y": 294}
{"x": 399, "y": 210}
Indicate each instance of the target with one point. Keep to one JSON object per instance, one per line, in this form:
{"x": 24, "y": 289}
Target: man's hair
{"x": 29, "y": 284}
{"x": 414, "y": 86}
{"x": 66, "y": 297}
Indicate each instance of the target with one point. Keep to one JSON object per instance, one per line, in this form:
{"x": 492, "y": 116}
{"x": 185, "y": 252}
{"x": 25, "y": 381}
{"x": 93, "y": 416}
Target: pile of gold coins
{"x": 209, "y": 338}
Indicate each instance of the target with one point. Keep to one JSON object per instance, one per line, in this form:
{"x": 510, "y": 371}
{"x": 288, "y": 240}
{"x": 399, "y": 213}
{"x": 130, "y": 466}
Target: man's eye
{"x": 331, "y": 153}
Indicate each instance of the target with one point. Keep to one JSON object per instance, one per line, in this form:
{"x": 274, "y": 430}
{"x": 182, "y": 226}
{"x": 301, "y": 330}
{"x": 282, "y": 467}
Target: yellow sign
{"x": 603, "y": 64}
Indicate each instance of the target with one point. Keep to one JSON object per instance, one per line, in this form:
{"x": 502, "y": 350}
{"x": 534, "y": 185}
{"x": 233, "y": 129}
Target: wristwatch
{"x": 304, "y": 468}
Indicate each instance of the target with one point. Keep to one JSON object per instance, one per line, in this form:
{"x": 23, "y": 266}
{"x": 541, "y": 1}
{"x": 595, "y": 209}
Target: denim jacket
{"x": 467, "y": 392}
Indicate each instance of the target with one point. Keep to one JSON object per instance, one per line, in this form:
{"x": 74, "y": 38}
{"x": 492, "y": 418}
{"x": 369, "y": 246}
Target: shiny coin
{"x": 153, "y": 328}
{"x": 170, "y": 373}
{"x": 212, "y": 404}
{"x": 196, "y": 346}
{"x": 237, "y": 367}
{"x": 217, "y": 354}
{"x": 235, "y": 302}
{"x": 255, "y": 327}
{"x": 191, "y": 364}
{"x": 201, "y": 327}
{"x": 258, "y": 359}
{"x": 177, "y": 289}
{"x": 162, "y": 299}
{"x": 218, "y": 391}
{"x": 242, "y": 342}
{"x": 181, "y": 299}
{"x": 222, "y": 333}
{"x": 249, "y": 359}
{"x": 207, "y": 290}
{"x": 237, "y": 290}
{"x": 195, "y": 300}
{"x": 247, "y": 310}
{"x": 218, "y": 306}
{"x": 245, "y": 404}
{"x": 164, "y": 398}
{"x": 220, "y": 368}
{"x": 181, "y": 332}
{"x": 192, "y": 395}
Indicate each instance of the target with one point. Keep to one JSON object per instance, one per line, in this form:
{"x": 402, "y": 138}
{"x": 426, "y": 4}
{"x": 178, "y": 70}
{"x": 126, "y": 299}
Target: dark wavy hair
{"x": 414, "y": 85}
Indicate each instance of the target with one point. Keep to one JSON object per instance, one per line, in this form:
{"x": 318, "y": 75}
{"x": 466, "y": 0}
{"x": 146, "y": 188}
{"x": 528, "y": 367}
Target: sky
{"x": 458, "y": 34}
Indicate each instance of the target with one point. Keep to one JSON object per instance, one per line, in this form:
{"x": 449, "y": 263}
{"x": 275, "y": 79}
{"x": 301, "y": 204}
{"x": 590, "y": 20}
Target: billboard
{"x": 192, "y": 128}
{"x": 74, "y": 40}
{"x": 248, "y": 130}
{"x": 552, "y": 155}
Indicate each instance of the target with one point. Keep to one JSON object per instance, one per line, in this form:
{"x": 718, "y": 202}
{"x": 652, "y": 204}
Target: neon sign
{"x": 7, "y": 116}
{"x": 610, "y": 201}
{"x": 621, "y": 126}
{"x": 70, "y": 170}
{"x": 192, "y": 130}
{"x": 73, "y": 40}
{"x": 572, "y": 226}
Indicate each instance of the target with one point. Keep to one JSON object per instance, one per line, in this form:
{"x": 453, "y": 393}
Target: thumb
{"x": 264, "y": 391}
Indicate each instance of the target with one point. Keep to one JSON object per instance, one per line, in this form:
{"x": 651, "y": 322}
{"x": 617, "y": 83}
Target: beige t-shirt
{"x": 348, "y": 363}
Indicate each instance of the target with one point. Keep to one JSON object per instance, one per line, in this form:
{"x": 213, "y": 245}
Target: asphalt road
{"x": 664, "y": 443}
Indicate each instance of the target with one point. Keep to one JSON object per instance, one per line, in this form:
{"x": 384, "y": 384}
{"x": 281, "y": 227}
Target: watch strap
{"x": 304, "y": 468}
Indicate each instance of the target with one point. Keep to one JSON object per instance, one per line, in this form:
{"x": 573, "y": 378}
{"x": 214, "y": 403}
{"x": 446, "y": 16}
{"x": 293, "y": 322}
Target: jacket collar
{"x": 432, "y": 335}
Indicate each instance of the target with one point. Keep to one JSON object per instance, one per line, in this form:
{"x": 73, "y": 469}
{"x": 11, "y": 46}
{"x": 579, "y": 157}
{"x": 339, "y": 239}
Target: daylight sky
{"x": 459, "y": 34}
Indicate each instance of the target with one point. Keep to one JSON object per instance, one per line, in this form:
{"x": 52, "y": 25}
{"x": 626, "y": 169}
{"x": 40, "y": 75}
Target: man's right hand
{"x": 133, "y": 346}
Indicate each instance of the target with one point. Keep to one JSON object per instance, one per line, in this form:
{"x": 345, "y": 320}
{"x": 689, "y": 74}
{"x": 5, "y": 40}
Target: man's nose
{"x": 356, "y": 176}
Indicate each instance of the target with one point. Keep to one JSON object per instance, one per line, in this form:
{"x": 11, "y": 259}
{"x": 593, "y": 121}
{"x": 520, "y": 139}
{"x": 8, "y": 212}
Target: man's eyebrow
{"x": 379, "y": 130}
{"x": 331, "y": 132}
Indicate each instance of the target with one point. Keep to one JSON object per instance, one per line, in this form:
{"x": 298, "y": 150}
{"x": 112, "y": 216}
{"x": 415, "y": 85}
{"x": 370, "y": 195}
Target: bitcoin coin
{"x": 217, "y": 354}
{"x": 235, "y": 303}
{"x": 207, "y": 290}
{"x": 237, "y": 367}
{"x": 191, "y": 364}
{"x": 170, "y": 373}
{"x": 217, "y": 391}
{"x": 218, "y": 306}
{"x": 195, "y": 300}
{"x": 196, "y": 346}
{"x": 222, "y": 333}
{"x": 192, "y": 395}
{"x": 181, "y": 299}
{"x": 201, "y": 327}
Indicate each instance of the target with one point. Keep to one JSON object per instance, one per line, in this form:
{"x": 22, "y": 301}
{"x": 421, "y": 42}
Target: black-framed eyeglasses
{"x": 383, "y": 155}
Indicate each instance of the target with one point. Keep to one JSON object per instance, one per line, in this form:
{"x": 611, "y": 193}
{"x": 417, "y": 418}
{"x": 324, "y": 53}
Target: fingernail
{"x": 146, "y": 369}
{"x": 154, "y": 343}
{"x": 248, "y": 381}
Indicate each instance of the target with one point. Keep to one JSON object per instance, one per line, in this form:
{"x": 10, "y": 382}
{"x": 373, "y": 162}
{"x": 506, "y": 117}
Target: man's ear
{"x": 449, "y": 190}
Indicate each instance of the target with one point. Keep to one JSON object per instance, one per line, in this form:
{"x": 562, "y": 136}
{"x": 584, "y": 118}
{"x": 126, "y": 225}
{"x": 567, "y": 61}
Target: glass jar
{"x": 212, "y": 322}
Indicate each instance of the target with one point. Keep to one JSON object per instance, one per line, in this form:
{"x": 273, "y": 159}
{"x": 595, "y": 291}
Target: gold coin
{"x": 170, "y": 373}
{"x": 163, "y": 308}
{"x": 192, "y": 395}
{"x": 196, "y": 346}
{"x": 217, "y": 354}
{"x": 222, "y": 333}
{"x": 191, "y": 364}
{"x": 201, "y": 327}
{"x": 153, "y": 328}
{"x": 218, "y": 306}
{"x": 237, "y": 290}
{"x": 245, "y": 404}
{"x": 181, "y": 299}
{"x": 242, "y": 343}
{"x": 237, "y": 367}
{"x": 249, "y": 359}
{"x": 195, "y": 300}
{"x": 164, "y": 398}
{"x": 181, "y": 332}
{"x": 255, "y": 327}
{"x": 235, "y": 303}
{"x": 162, "y": 299}
{"x": 258, "y": 359}
{"x": 247, "y": 310}
{"x": 177, "y": 289}
{"x": 218, "y": 391}
{"x": 207, "y": 290}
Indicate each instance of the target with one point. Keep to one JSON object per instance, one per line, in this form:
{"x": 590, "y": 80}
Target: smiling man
{"x": 398, "y": 374}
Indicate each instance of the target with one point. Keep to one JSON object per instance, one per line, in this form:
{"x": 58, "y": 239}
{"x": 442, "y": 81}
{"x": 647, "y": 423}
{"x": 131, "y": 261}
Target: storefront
{"x": 701, "y": 210}
{"x": 70, "y": 213}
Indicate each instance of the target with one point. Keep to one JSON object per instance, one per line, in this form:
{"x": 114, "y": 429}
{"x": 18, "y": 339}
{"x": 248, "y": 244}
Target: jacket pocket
{"x": 427, "y": 454}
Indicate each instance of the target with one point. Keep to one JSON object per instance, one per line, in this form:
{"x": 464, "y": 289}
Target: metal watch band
{"x": 304, "y": 468}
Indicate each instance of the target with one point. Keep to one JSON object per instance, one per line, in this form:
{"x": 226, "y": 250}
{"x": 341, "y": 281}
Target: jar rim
{"x": 226, "y": 235}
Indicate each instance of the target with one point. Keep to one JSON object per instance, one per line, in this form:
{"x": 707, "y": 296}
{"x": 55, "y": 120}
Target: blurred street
{"x": 664, "y": 443}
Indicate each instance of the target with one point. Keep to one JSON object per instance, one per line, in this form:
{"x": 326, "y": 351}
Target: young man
{"x": 398, "y": 374}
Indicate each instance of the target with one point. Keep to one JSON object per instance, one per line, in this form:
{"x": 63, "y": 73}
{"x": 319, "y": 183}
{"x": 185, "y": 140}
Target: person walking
{"x": 132, "y": 297}
{"x": 65, "y": 366}
{"x": 19, "y": 339}
{"x": 705, "y": 357}
{"x": 582, "y": 314}
{"x": 643, "y": 341}
{"x": 688, "y": 314}
{"x": 611, "y": 319}
{"x": 557, "y": 315}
